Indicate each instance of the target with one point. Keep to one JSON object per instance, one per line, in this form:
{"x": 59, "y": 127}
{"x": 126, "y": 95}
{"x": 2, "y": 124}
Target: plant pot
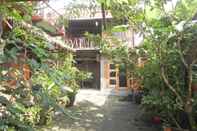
{"x": 167, "y": 129}
{"x": 36, "y": 18}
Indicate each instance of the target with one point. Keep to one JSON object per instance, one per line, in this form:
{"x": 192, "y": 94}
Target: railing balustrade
{"x": 81, "y": 43}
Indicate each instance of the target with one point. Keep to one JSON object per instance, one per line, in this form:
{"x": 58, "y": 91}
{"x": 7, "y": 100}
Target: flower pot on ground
{"x": 166, "y": 128}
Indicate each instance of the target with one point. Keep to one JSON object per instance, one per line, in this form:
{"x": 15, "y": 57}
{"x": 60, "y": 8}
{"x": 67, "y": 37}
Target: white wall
{"x": 103, "y": 84}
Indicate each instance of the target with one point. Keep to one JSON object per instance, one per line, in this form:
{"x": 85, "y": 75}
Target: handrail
{"x": 80, "y": 43}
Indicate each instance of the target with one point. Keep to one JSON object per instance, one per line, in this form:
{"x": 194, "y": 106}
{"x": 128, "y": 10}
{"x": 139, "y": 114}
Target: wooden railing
{"x": 81, "y": 43}
{"x": 127, "y": 37}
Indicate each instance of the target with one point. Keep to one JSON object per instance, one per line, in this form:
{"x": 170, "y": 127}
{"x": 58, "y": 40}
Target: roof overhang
{"x": 48, "y": 38}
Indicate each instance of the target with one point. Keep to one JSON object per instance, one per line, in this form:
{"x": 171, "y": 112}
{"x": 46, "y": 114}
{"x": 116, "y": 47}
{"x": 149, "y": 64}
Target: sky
{"x": 60, "y": 4}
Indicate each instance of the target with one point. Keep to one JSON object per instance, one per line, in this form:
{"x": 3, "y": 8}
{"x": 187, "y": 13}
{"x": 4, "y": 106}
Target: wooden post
{"x": 103, "y": 15}
{"x": 106, "y": 73}
{"x": 117, "y": 78}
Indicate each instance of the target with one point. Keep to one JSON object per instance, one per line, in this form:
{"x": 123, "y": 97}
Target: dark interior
{"x": 88, "y": 60}
{"x": 122, "y": 76}
{"x": 77, "y": 28}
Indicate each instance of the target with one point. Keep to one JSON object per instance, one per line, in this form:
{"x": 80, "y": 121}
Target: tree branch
{"x": 180, "y": 52}
{"x": 170, "y": 86}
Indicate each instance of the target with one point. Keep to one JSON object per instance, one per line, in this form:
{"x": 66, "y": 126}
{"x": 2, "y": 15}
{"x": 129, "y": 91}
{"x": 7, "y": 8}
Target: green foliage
{"x": 169, "y": 45}
{"x": 46, "y": 27}
{"x": 32, "y": 102}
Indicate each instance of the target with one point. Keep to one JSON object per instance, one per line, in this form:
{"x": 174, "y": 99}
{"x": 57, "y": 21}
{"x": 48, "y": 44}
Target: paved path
{"x": 97, "y": 112}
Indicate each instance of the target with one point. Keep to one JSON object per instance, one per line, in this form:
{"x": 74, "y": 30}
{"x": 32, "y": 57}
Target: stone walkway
{"x": 94, "y": 111}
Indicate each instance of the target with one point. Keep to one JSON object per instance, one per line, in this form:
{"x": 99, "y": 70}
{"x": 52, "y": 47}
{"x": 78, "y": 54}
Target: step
{"x": 120, "y": 92}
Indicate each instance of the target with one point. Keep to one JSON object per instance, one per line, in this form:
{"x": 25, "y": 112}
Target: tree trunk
{"x": 188, "y": 108}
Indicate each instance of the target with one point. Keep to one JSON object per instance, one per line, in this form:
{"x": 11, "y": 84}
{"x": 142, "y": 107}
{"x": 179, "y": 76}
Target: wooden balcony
{"x": 130, "y": 38}
{"x": 81, "y": 43}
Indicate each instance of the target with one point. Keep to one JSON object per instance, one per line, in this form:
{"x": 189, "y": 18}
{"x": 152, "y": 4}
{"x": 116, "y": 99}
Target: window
{"x": 113, "y": 74}
{"x": 112, "y": 66}
{"x": 112, "y": 82}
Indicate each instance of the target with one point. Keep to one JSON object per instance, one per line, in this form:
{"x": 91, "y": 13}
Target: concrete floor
{"x": 94, "y": 111}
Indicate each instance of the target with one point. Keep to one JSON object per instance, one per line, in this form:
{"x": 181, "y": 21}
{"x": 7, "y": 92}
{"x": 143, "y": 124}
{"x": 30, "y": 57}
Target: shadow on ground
{"x": 113, "y": 115}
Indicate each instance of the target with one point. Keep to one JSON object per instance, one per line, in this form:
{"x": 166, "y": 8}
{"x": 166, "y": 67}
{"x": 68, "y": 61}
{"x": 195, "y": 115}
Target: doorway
{"x": 122, "y": 76}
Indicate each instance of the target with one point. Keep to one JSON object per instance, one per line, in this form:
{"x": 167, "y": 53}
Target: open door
{"x": 112, "y": 76}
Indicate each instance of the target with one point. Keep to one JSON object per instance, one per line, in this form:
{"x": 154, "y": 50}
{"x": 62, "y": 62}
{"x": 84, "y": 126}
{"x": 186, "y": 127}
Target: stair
{"x": 112, "y": 91}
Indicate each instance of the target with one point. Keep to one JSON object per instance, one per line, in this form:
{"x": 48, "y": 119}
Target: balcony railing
{"x": 81, "y": 44}
{"x": 130, "y": 38}
{"x": 126, "y": 37}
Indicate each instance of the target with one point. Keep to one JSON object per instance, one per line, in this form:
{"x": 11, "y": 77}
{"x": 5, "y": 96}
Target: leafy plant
{"x": 169, "y": 44}
{"x": 30, "y": 96}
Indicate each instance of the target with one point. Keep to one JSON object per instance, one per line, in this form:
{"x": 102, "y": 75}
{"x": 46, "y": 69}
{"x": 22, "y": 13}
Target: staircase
{"x": 122, "y": 91}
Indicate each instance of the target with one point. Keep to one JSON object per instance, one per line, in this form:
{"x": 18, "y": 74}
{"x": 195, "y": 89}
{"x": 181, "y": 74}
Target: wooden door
{"x": 112, "y": 76}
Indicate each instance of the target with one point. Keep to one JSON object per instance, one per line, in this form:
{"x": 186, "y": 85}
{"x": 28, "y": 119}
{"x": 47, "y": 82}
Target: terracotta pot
{"x": 167, "y": 129}
{"x": 36, "y": 18}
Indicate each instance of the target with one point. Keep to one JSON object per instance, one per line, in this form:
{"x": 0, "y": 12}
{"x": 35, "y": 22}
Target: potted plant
{"x": 36, "y": 18}
{"x": 167, "y": 127}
